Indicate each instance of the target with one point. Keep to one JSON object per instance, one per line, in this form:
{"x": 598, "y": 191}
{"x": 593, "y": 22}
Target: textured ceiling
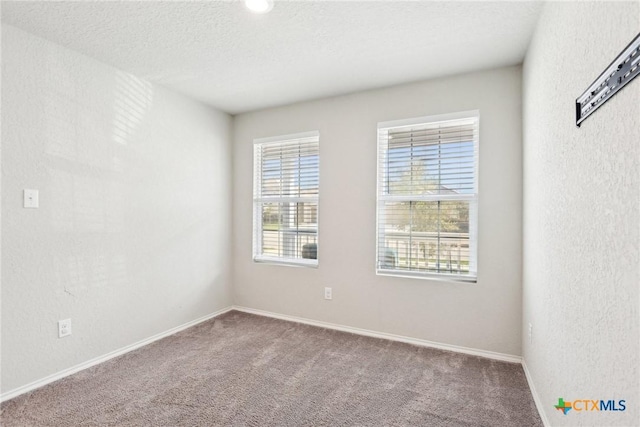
{"x": 219, "y": 53}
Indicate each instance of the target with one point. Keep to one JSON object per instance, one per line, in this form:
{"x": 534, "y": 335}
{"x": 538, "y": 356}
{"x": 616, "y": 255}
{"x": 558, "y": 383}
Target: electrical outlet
{"x": 327, "y": 293}
{"x": 530, "y": 333}
{"x": 64, "y": 328}
{"x": 30, "y": 199}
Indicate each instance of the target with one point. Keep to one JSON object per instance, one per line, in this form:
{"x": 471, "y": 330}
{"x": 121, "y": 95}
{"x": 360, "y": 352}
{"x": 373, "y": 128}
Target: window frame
{"x": 257, "y": 225}
{"x": 472, "y": 277}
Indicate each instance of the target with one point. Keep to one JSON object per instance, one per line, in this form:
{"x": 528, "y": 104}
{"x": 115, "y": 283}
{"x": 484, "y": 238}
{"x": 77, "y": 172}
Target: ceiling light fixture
{"x": 259, "y": 6}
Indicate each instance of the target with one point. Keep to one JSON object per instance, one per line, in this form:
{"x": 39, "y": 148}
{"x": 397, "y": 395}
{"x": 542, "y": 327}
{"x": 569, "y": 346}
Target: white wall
{"x": 132, "y": 235}
{"x": 486, "y": 315}
{"x": 581, "y": 215}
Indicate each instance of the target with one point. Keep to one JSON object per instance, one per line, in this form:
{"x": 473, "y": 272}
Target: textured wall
{"x": 132, "y": 236}
{"x": 581, "y": 215}
{"x": 486, "y": 315}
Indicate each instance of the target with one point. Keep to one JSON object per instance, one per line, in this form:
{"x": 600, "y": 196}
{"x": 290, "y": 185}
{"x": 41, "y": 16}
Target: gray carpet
{"x": 246, "y": 370}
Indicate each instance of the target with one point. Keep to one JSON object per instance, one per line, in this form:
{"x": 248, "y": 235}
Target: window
{"x": 285, "y": 199}
{"x": 427, "y": 197}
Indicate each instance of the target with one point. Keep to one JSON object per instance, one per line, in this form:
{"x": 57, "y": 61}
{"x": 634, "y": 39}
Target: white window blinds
{"x": 427, "y": 197}
{"x": 285, "y": 199}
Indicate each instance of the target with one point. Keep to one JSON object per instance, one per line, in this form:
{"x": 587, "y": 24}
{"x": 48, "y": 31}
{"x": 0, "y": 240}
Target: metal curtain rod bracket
{"x": 621, "y": 71}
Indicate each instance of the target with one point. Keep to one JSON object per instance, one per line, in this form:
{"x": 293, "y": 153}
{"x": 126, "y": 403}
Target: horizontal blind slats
{"x": 286, "y": 188}
{"x": 288, "y": 168}
{"x": 431, "y": 168}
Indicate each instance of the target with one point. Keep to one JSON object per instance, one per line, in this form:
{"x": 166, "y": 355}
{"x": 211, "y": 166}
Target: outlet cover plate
{"x": 64, "y": 328}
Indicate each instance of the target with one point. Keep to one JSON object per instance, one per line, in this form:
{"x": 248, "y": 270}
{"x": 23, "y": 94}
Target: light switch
{"x": 30, "y": 198}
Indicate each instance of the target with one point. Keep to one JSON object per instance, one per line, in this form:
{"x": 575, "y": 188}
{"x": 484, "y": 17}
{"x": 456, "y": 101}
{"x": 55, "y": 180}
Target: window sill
{"x": 429, "y": 276}
{"x": 287, "y": 262}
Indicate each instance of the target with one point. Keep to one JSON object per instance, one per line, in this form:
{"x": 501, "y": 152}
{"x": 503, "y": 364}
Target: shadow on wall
{"x": 124, "y": 210}
{"x": 86, "y": 164}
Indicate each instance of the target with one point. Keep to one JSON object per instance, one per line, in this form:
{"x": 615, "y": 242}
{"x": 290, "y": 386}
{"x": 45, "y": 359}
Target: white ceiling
{"x": 225, "y": 56}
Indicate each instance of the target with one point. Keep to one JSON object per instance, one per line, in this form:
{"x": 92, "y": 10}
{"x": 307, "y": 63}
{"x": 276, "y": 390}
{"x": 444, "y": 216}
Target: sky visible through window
{"x": 427, "y": 197}
{"x": 272, "y": 169}
{"x": 450, "y": 165}
{"x": 288, "y": 207}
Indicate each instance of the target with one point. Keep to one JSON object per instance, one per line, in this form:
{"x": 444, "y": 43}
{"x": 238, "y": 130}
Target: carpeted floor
{"x": 246, "y": 370}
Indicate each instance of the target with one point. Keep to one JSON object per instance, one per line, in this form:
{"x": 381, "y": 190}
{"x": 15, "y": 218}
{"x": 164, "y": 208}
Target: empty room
{"x": 320, "y": 213}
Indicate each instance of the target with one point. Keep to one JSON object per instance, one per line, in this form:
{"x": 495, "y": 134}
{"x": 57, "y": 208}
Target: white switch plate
{"x": 31, "y": 198}
{"x": 64, "y": 328}
{"x": 327, "y": 293}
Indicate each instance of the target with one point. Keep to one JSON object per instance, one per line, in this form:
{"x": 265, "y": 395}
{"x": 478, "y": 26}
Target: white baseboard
{"x": 536, "y": 396}
{"x": 100, "y": 359}
{"x": 415, "y": 341}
